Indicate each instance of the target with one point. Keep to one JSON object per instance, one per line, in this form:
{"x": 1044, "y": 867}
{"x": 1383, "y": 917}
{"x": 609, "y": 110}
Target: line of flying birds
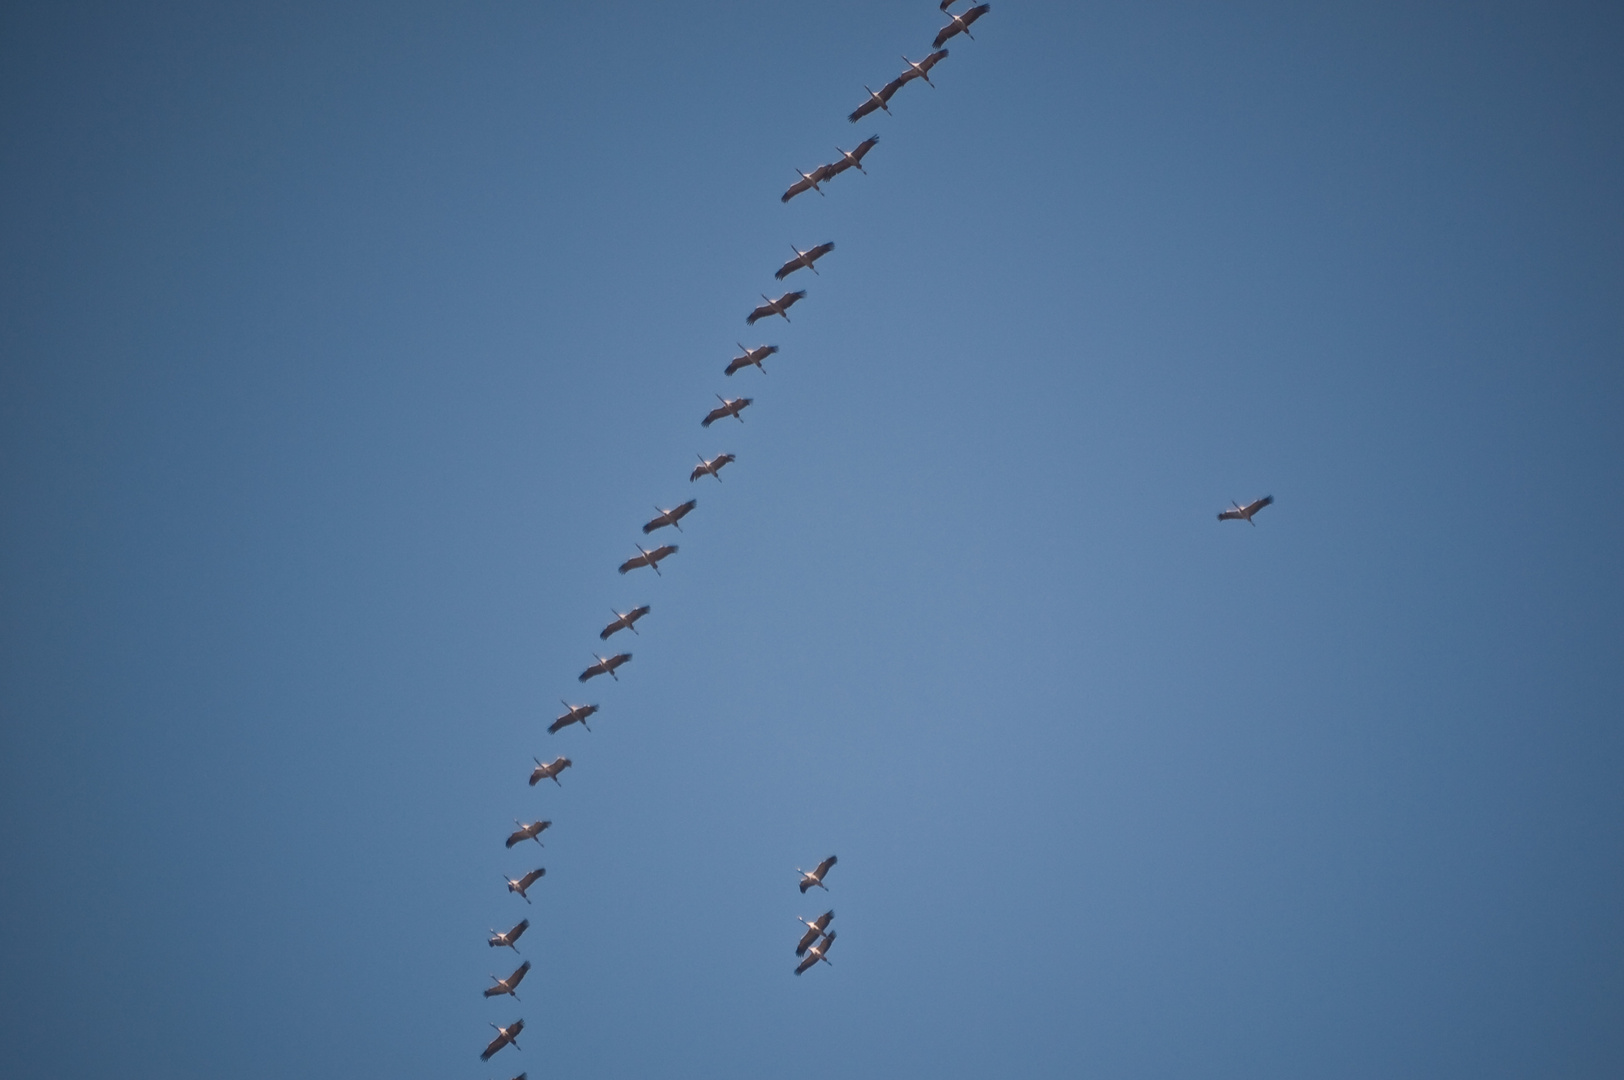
{"x": 814, "y": 943}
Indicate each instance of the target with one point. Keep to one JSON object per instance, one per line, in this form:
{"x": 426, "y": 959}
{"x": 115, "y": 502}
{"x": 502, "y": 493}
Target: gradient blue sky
{"x": 344, "y": 348}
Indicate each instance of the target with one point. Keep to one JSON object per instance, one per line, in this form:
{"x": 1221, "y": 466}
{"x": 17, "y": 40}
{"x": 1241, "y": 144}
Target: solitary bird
{"x": 775, "y": 307}
{"x": 647, "y": 558}
{"x": 921, "y": 70}
{"x": 623, "y": 622}
{"x": 504, "y": 1035}
{"x": 853, "y": 159}
{"x": 509, "y": 984}
{"x": 1244, "y": 513}
{"x": 498, "y": 940}
{"x": 803, "y": 259}
{"x": 670, "y": 517}
{"x": 807, "y": 181}
{"x": 876, "y": 100}
{"x": 960, "y": 24}
{"x": 525, "y": 832}
{"x": 820, "y": 951}
{"x": 751, "y": 356}
{"x": 575, "y": 714}
{"x": 549, "y": 772}
{"x": 728, "y": 407}
{"x": 607, "y": 667}
{"x": 814, "y": 927}
{"x": 520, "y": 885}
{"x": 815, "y": 877}
{"x": 713, "y": 467}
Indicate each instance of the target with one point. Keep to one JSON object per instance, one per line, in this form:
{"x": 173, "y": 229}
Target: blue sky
{"x": 342, "y": 353}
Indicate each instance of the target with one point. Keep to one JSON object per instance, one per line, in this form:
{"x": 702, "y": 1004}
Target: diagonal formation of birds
{"x": 814, "y": 943}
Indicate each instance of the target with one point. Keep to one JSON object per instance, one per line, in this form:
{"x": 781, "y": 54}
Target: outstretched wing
{"x": 633, "y": 563}
{"x": 823, "y": 867}
{"x": 553, "y": 729}
{"x": 522, "y": 835}
{"x": 1231, "y": 515}
{"x": 679, "y": 512}
{"x": 803, "y": 184}
{"x": 820, "y": 251}
{"x": 933, "y": 59}
{"x": 975, "y": 13}
{"x": 495, "y": 1045}
{"x": 518, "y": 931}
{"x": 759, "y": 313}
{"x": 1260, "y": 504}
{"x": 811, "y": 935}
{"x": 862, "y": 149}
{"x": 518, "y": 975}
{"x": 863, "y": 110}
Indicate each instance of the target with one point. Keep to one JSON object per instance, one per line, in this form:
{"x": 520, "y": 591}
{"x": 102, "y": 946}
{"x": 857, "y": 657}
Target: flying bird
{"x": 775, "y": 307}
{"x": 498, "y": 940}
{"x": 509, "y": 984}
{"x": 525, "y": 832}
{"x": 670, "y": 517}
{"x": 876, "y": 100}
{"x": 802, "y": 258}
{"x": 520, "y": 885}
{"x": 504, "y": 1035}
{"x": 807, "y": 181}
{"x": 1244, "y": 513}
{"x": 607, "y": 667}
{"x": 820, "y": 951}
{"x": 815, "y": 877}
{"x": 623, "y": 622}
{"x": 575, "y": 714}
{"x": 549, "y": 772}
{"x": 751, "y": 356}
{"x": 960, "y": 24}
{"x": 728, "y": 407}
{"x": 850, "y": 159}
{"x": 814, "y": 927}
{"x": 921, "y": 70}
{"x": 647, "y": 558}
{"x": 713, "y": 467}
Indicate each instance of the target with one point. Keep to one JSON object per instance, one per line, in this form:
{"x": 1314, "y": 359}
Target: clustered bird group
{"x": 815, "y": 942}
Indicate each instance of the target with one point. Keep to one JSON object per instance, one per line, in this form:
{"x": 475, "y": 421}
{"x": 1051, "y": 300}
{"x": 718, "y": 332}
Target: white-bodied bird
{"x": 713, "y": 467}
{"x": 525, "y": 832}
{"x": 575, "y": 714}
{"x": 961, "y": 24}
{"x": 648, "y": 558}
{"x": 1244, "y": 513}
{"x": 519, "y": 885}
{"x": 625, "y": 621}
{"x": 775, "y": 307}
{"x": 815, "y": 877}
{"x": 802, "y": 259}
{"x": 670, "y": 517}
{"x": 549, "y": 771}
{"x": 499, "y": 940}
{"x": 748, "y": 357}
{"x": 728, "y": 407}
{"x": 504, "y": 1035}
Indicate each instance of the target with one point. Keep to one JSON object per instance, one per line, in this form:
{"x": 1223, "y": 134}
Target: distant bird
{"x": 550, "y": 771}
{"x": 504, "y": 1035}
{"x": 728, "y": 407}
{"x": 814, "y": 927}
{"x": 807, "y": 181}
{"x": 960, "y": 24}
{"x": 802, "y": 259}
{"x": 525, "y": 832}
{"x": 815, "y": 877}
{"x": 624, "y": 622}
{"x": 713, "y": 467}
{"x": 876, "y": 100}
{"x": 751, "y": 356}
{"x": 853, "y": 159}
{"x": 509, "y": 984}
{"x": 519, "y": 885}
{"x": 670, "y": 517}
{"x": 574, "y": 714}
{"x": 775, "y": 307}
{"x": 1244, "y": 513}
{"x": 648, "y": 558}
{"x": 498, "y": 940}
{"x": 607, "y": 667}
{"x": 921, "y": 70}
{"x": 820, "y": 951}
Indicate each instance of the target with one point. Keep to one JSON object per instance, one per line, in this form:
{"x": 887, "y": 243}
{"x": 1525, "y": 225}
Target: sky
{"x": 345, "y": 348}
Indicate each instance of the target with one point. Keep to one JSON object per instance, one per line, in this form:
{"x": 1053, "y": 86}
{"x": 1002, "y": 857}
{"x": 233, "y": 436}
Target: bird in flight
{"x": 815, "y": 877}
{"x": 576, "y": 714}
{"x": 525, "y": 832}
{"x": 820, "y": 951}
{"x": 921, "y": 70}
{"x": 750, "y": 356}
{"x": 814, "y": 927}
{"x": 713, "y": 467}
{"x": 879, "y": 99}
{"x": 509, "y": 984}
{"x": 605, "y": 667}
{"x": 670, "y": 517}
{"x": 623, "y": 622}
{"x": 648, "y": 558}
{"x": 960, "y": 24}
{"x": 728, "y": 407}
{"x": 519, "y": 885}
{"x": 549, "y": 771}
{"x": 853, "y": 159}
{"x": 504, "y": 1035}
{"x": 1244, "y": 513}
{"x": 802, "y": 259}
{"x": 807, "y": 182}
{"x": 775, "y": 307}
{"x": 498, "y": 940}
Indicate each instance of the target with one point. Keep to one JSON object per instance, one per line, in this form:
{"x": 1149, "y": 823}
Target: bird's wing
{"x": 533, "y": 876}
{"x": 795, "y": 189}
{"x": 518, "y": 975}
{"x": 638, "y": 613}
{"x": 888, "y": 91}
{"x": 933, "y": 59}
{"x": 633, "y": 563}
{"x": 1260, "y": 504}
{"x": 805, "y": 884}
{"x": 496, "y": 1044}
{"x": 715, "y": 414}
{"x": 828, "y": 940}
{"x": 1230, "y": 515}
{"x": 520, "y": 836}
{"x": 788, "y": 300}
{"x": 907, "y": 76}
{"x": 975, "y": 13}
{"x": 621, "y": 658}
{"x": 863, "y": 110}
{"x": 699, "y": 470}
{"x": 822, "y": 921}
{"x": 820, "y": 251}
{"x": 808, "y": 938}
{"x": 787, "y": 269}
{"x": 513, "y": 935}
{"x": 823, "y": 867}
{"x": 554, "y": 728}
{"x": 804, "y": 964}
{"x": 862, "y": 149}
{"x": 944, "y": 33}
{"x": 680, "y": 512}
{"x": 759, "y": 313}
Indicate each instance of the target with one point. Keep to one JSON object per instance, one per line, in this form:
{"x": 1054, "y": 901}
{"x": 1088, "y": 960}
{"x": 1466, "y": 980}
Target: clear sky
{"x": 345, "y": 347}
